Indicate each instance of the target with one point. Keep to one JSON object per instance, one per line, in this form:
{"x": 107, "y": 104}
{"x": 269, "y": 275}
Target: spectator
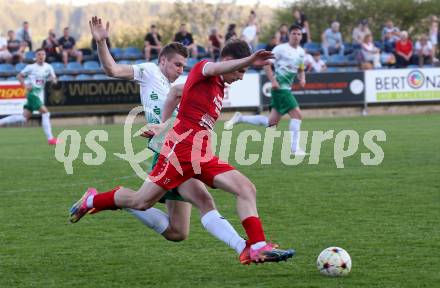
{"x": 153, "y": 43}
{"x": 332, "y": 40}
{"x": 67, "y": 47}
{"x": 250, "y": 31}
{"x": 15, "y": 47}
{"x": 186, "y": 39}
{"x": 282, "y": 34}
{"x": 50, "y": 46}
{"x": 433, "y": 34}
{"x": 301, "y": 21}
{"x": 4, "y": 52}
{"x": 359, "y": 32}
{"x": 272, "y": 43}
{"x": 424, "y": 51}
{"x": 390, "y": 35}
{"x": 404, "y": 50}
{"x": 216, "y": 42}
{"x": 314, "y": 63}
{"x": 231, "y": 33}
{"x": 24, "y": 35}
{"x": 370, "y": 53}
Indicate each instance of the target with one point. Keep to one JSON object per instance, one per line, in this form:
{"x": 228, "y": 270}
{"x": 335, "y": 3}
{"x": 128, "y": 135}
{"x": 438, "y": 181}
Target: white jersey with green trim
{"x": 37, "y": 76}
{"x": 288, "y": 61}
{"x": 154, "y": 88}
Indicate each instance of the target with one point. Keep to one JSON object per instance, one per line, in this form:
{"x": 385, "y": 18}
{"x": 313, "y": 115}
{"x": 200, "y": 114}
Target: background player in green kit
{"x": 34, "y": 78}
{"x": 155, "y": 84}
{"x": 289, "y": 62}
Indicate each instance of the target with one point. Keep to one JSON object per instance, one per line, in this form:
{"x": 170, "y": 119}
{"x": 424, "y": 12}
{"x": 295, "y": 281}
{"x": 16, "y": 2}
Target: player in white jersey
{"x": 289, "y": 62}
{"x": 34, "y": 78}
{"x": 155, "y": 84}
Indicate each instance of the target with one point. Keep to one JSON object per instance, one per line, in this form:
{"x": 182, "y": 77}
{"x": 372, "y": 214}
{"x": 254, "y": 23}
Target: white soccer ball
{"x": 333, "y": 262}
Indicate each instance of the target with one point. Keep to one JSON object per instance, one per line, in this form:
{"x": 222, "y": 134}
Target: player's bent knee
{"x": 175, "y": 236}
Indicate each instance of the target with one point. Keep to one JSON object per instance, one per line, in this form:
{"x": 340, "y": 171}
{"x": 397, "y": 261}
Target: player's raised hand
{"x": 261, "y": 57}
{"x": 99, "y": 32}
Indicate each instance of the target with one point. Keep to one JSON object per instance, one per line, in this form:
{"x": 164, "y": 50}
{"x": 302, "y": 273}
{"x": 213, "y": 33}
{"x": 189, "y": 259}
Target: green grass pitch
{"x": 386, "y": 216}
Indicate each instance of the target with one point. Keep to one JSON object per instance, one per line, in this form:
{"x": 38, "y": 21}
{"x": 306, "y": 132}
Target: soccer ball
{"x": 333, "y": 262}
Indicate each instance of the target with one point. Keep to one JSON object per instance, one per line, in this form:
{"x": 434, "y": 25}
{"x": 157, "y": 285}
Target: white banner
{"x": 12, "y": 97}
{"x": 402, "y": 84}
{"x": 243, "y": 93}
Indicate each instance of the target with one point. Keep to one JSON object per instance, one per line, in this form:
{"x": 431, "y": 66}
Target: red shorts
{"x": 182, "y": 164}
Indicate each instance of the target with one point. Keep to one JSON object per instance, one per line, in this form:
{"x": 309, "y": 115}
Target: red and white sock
{"x": 254, "y": 230}
{"x": 103, "y": 201}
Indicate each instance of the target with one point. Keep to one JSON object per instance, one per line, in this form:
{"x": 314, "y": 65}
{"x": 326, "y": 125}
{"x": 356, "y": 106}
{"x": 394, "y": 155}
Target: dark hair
{"x": 10, "y": 31}
{"x": 39, "y": 49}
{"x": 153, "y": 26}
{"x": 66, "y": 28}
{"x": 231, "y": 27}
{"x": 173, "y": 48}
{"x": 295, "y": 27}
{"x": 25, "y": 22}
{"x": 236, "y": 49}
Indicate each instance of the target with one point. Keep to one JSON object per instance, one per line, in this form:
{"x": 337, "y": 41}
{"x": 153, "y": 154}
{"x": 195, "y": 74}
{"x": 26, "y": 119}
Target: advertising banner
{"x": 243, "y": 93}
{"x": 12, "y": 97}
{"x": 402, "y": 85}
{"x": 345, "y": 88}
{"x": 93, "y": 92}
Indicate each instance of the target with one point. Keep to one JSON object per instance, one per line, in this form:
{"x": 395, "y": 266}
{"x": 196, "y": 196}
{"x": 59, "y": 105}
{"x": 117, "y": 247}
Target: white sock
{"x": 255, "y": 120}
{"x": 295, "y": 126}
{"x": 258, "y": 245}
{"x": 12, "y": 119}
{"x": 45, "y": 122}
{"x": 153, "y": 218}
{"x": 221, "y": 229}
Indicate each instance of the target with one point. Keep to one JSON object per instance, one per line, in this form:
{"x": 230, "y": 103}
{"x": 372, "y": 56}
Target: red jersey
{"x": 201, "y": 102}
{"x": 404, "y": 48}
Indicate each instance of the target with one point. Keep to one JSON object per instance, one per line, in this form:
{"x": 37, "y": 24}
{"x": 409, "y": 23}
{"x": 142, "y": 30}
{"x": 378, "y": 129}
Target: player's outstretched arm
{"x": 173, "y": 99}
{"x": 259, "y": 58}
{"x": 111, "y": 68}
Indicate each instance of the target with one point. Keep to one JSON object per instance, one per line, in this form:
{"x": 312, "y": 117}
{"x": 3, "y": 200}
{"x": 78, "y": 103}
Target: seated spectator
{"x": 360, "y": 32}
{"x": 250, "y": 31}
{"x": 50, "y": 46}
{"x": 24, "y": 35}
{"x": 231, "y": 33}
{"x": 404, "y": 51}
{"x": 370, "y": 53}
{"x": 216, "y": 42}
{"x": 273, "y": 42}
{"x": 282, "y": 34}
{"x": 332, "y": 42}
{"x": 424, "y": 51}
{"x": 4, "y": 52}
{"x": 314, "y": 63}
{"x": 186, "y": 39}
{"x": 153, "y": 43}
{"x": 67, "y": 47}
{"x": 300, "y": 19}
{"x": 390, "y": 35}
{"x": 15, "y": 47}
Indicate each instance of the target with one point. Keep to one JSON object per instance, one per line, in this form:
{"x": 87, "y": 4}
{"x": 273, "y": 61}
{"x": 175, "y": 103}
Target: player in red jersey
{"x": 186, "y": 152}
